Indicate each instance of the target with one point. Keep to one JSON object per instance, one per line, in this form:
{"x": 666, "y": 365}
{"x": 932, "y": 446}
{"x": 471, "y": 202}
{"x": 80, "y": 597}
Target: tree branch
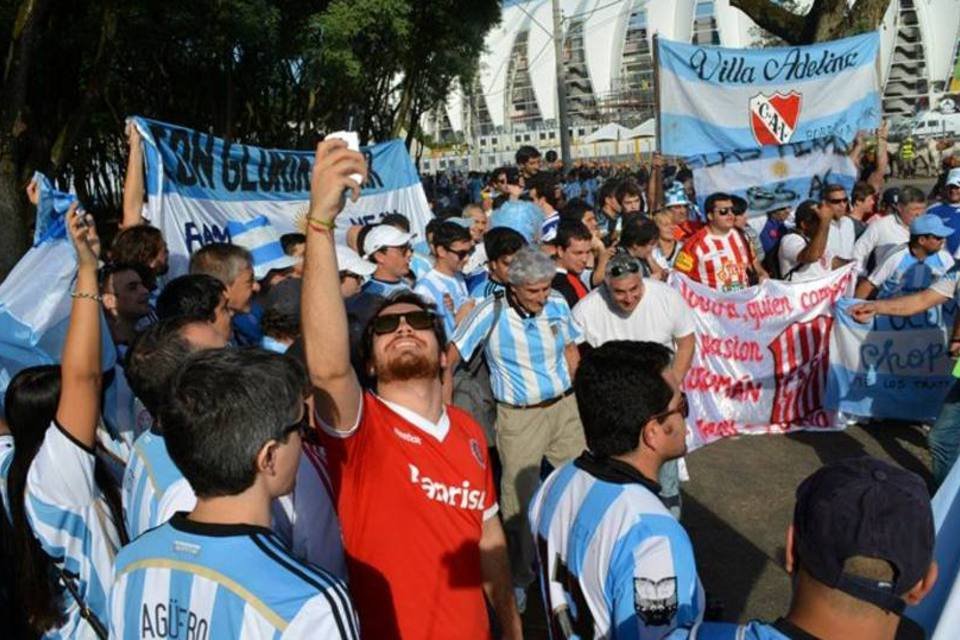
{"x": 773, "y": 18}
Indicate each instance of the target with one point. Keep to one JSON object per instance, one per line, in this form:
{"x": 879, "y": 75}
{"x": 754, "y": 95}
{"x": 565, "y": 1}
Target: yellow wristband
{"x": 329, "y": 225}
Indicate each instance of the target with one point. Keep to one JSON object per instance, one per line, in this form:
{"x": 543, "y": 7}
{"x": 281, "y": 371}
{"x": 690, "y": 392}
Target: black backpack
{"x": 771, "y": 261}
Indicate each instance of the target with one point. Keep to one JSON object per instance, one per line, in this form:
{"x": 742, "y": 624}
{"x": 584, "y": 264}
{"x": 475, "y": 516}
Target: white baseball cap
{"x": 384, "y": 235}
{"x": 953, "y": 178}
{"x": 350, "y": 260}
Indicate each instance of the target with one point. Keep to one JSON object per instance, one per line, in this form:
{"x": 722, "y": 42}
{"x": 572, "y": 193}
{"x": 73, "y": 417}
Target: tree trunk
{"x": 14, "y": 217}
{"x": 826, "y": 19}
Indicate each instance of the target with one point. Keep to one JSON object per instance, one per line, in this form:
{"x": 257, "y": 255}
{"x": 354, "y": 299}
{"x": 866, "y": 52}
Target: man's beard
{"x": 408, "y": 366}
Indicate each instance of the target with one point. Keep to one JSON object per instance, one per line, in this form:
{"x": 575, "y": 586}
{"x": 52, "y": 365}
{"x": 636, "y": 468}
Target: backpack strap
{"x": 476, "y": 360}
{"x": 98, "y": 627}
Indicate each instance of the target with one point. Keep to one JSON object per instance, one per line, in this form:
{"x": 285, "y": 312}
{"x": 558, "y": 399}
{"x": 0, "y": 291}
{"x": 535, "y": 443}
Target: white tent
{"x": 647, "y": 129}
{"x": 608, "y": 133}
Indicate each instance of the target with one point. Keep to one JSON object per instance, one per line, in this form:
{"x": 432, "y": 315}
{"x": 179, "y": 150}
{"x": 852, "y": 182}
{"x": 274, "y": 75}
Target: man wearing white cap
{"x": 948, "y": 209}
{"x": 388, "y": 248}
{"x": 353, "y": 271}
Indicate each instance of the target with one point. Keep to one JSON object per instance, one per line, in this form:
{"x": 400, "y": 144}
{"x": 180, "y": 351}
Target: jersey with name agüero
{"x": 412, "y": 498}
{"x": 204, "y": 581}
{"x": 614, "y": 562}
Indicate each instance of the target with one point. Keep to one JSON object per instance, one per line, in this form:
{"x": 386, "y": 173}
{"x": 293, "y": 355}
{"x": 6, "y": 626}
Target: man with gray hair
{"x": 233, "y": 266}
{"x": 629, "y": 307}
{"x": 531, "y": 349}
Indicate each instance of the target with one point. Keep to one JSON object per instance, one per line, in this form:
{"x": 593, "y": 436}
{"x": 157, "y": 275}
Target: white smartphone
{"x": 353, "y": 143}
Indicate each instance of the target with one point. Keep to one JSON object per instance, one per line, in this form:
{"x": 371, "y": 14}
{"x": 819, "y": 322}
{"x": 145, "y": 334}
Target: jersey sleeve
{"x": 654, "y": 581}
{"x": 686, "y": 261}
{"x": 572, "y": 334}
{"x": 946, "y": 286}
{"x": 473, "y": 330}
{"x": 684, "y": 324}
{"x": 883, "y": 271}
{"x": 864, "y": 246}
{"x": 327, "y": 615}
{"x": 61, "y": 474}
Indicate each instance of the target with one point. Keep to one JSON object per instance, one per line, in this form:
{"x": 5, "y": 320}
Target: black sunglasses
{"x": 724, "y": 211}
{"x": 389, "y": 322}
{"x": 838, "y": 201}
{"x": 683, "y": 410}
{"x": 462, "y": 253}
{"x": 619, "y": 270}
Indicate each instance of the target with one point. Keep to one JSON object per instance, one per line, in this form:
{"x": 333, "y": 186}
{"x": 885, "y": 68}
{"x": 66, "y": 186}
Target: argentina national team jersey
{"x": 209, "y": 582}
{"x": 153, "y": 487}
{"x": 420, "y": 266}
{"x": 525, "y": 353}
{"x": 6, "y": 459}
{"x": 485, "y": 286}
{"x": 614, "y": 563}
{"x": 434, "y": 285}
{"x": 902, "y": 273}
{"x": 73, "y": 524}
{"x": 384, "y": 289}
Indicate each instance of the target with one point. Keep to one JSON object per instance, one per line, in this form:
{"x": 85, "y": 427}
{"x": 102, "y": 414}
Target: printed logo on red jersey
{"x": 477, "y": 452}
{"x": 462, "y": 496}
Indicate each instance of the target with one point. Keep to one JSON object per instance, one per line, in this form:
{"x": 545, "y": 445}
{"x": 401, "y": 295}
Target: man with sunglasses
{"x": 389, "y": 249}
{"x": 614, "y": 562}
{"x": 718, "y": 255}
{"x": 948, "y": 209}
{"x": 843, "y": 233}
{"x": 411, "y": 477}
{"x": 890, "y": 232}
{"x": 444, "y": 285}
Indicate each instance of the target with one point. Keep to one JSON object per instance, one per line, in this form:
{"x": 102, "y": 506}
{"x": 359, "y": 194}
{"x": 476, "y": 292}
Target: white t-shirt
{"x": 881, "y": 238}
{"x": 661, "y": 316}
{"x": 790, "y": 247}
{"x": 842, "y": 237}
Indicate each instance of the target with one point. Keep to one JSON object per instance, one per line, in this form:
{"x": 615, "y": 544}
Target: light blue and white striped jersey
{"x": 434, "y": 285}
{"x": 73, "y": 523}
{"x": 614, "y": 562}
{"x": 525, "y": 353}
{"x": 382, "y": 288}
{"x": 207, "y": 581}
{"x": 902, "y": 273}
{"x": 782, "y": 629}
{"x": 420, "y": 266}
{"x": 485, "y": 286}
{"x": 153, "y": 487}
{"x": 6, "y": 459}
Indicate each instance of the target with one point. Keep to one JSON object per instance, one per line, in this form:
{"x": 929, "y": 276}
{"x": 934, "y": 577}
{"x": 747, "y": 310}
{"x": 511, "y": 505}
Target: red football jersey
{"x": 720, "y": 262}
{"x": 412, "y": 508}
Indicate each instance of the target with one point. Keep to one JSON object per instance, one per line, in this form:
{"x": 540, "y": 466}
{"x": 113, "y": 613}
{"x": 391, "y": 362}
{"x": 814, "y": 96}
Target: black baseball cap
{"x": 864, "y": 507}
{"x": 890, "y": 197}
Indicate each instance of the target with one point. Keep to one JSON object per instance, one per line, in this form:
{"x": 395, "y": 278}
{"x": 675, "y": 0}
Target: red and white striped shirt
{"x": 720, "y": 262}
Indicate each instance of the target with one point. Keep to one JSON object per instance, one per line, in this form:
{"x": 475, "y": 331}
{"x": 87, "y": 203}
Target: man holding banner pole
{"x": 944, "y": 436}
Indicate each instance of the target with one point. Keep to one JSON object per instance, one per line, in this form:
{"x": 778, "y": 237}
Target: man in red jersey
{"x": 718, "y": 255}
{"x": 413, "y": 483}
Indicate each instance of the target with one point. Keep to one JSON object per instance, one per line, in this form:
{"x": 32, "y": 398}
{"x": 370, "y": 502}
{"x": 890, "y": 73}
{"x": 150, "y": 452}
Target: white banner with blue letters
{"x": 716, "y": 99}
{"x": 196, "y": 183}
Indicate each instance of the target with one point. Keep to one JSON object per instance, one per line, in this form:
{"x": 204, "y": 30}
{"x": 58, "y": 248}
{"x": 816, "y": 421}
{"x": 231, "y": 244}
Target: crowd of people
{"x": 395, "y": 436}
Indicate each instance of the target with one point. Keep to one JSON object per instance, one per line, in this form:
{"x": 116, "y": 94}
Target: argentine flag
{"x": 35, "y": 297}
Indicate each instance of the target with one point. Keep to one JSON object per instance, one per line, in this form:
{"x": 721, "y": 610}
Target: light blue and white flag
{"x": 716, "y": 99}
{"x": 261, "y": 239}
{"x": 197, "y": 183}
{"x": 774, "y": 177}
{"x": 35, "y": 296}
{"x": 939, "y": 612}
{"x": 897, "y": 368}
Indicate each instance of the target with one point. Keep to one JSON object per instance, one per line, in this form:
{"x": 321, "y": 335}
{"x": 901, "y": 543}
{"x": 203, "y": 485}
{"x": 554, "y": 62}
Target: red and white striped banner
{"x": 762, "y": 356}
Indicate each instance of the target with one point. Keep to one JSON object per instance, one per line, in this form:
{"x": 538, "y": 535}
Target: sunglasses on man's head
{"x": 618, "y": 270}
{"x": 389, "y": 322}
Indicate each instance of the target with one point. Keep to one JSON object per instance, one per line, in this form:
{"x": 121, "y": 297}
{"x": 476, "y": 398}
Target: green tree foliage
{"x": 272, "y": 72}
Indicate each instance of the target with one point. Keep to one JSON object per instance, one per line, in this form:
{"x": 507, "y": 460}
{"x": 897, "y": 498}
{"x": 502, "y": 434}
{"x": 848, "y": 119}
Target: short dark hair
{"x": 831, "y": 188}
{"x": 110, "y": 269}
{"x": 911, "y": 195}
{"x": 139, "y": 244}
{"x": 713, "y": 199}
{"x": 525, "y": 153}
{"x": 545, "y": 183}
{"x": 551, "y": 156}
{"x": 569, "y": 230}
{"x": 638, "y": 232}
{"x": 575, "y": 210}
{"x": 861, "y": 191}
{"x": 502, "y": 241}
{"x": 401, "y": 297}
{"x": 806, "y": 213}
{"x": 608, "y": 190}
{"x": 362, "y": 236}
{"x": 289, "y": 240}
{"x": 196, "y": 296}
{"x": 628, "y": 187}
{"x": 619, "y": 387}
{"x": 447, "y": 233}
{"x": 397, "y": 220}
{"x": 223, "y": 406}
{"x": 154, "y": 358}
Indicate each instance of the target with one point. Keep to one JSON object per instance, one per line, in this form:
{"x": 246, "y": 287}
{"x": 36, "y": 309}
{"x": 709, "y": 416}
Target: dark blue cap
{"x": 864, "y": 507}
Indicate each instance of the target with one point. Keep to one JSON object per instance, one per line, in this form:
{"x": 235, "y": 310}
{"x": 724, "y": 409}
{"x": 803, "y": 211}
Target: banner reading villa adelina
{"x": 762, "y": 357}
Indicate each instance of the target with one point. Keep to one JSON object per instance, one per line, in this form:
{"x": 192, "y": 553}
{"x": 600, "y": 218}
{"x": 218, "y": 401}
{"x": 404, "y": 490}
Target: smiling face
{"x": 533, "y": 297}
{"x": 405, "y": 353}
{"x": 626, "y": 292}
{"x": 241, "y": 290}
{"x": 132, "y": 297}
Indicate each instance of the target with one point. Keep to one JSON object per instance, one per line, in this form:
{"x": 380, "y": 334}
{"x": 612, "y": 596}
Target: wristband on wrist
{"x": 329, "y": 225}
{"x": 89, "y": 296}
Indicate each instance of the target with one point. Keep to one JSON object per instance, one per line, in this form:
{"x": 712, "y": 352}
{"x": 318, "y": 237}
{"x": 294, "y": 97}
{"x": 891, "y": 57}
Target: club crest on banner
{"x": 773, "y": 118}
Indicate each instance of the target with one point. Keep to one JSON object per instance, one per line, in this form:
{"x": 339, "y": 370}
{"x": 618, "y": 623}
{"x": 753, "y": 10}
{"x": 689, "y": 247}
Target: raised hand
{"x": 83, "y": 235}
{"x": 333, "y": 165}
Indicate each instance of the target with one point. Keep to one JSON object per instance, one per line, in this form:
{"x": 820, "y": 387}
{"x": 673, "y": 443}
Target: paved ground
{"x": 739, "y": 502}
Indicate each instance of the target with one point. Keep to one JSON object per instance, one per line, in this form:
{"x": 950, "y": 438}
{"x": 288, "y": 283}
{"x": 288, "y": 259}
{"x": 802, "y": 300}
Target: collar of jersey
{"x": 438, "y": 430}
{"x": 180, "y": 522}
{"x": 615, "y": 471}
{"x": 523, "y": 313}
{"x": 791, "y": 630}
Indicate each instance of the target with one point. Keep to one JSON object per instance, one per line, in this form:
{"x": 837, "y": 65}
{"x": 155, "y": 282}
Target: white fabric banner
{"x": 762, "y": 356}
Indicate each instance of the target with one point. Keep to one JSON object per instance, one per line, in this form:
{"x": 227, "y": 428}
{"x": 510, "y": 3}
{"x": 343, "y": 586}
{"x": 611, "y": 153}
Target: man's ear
{"x": 651, "y": 434}
{"x": 923, "y": 587}
{"x": 109, "y": 301}
{"x": 789, "y": 557}
{"x": 267, "y": 458}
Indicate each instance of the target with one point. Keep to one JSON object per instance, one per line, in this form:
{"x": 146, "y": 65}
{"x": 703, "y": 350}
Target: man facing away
{"x": 411, "y": 477}
{"x": 614, "y": 562}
